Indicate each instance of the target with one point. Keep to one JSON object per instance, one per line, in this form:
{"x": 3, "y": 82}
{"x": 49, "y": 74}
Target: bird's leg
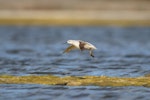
{"x": 91, "y": 54}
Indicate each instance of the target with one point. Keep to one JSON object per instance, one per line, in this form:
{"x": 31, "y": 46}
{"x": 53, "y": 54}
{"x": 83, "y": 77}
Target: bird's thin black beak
{"x": 65, "y": 43}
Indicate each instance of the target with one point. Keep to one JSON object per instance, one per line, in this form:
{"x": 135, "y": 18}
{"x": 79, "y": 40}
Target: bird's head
{"x": 71, "y": 41}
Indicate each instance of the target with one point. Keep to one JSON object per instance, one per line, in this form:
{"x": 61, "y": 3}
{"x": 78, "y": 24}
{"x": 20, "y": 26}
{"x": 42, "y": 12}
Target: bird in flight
{"x": 81, "y": 45}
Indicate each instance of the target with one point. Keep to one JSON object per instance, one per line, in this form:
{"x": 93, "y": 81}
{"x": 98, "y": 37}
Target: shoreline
{"x": 72, "y": 22}
{"x": 74, "y": 17}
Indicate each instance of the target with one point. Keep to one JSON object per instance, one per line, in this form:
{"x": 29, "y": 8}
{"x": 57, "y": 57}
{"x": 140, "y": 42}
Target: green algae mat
{"x": 76, "y": 81}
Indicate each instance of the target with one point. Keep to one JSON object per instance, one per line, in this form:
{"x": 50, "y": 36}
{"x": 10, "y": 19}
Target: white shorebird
{"x": 82, "y": 45}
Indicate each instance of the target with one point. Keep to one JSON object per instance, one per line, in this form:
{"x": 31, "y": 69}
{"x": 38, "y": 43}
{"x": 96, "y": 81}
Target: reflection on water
{"x": 122, "y": 52}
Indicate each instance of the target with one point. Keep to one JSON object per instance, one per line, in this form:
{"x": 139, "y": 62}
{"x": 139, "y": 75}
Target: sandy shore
{"x": 75, "y": 12}
{"x": 75, "y": 17}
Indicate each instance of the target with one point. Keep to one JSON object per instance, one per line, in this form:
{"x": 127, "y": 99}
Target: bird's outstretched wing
{"x": 71, "y": 47}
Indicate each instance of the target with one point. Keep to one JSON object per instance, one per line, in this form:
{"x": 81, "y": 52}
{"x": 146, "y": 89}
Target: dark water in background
{"x": 28, "y": 50}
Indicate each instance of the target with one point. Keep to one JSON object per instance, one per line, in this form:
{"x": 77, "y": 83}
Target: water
{"x": 38, "y": 92}
{"x": 37, "y": 50}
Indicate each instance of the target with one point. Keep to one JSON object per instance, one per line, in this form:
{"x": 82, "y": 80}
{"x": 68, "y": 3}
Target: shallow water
{"x": 40, "y": 92}
{"x": 37, "y": 50}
